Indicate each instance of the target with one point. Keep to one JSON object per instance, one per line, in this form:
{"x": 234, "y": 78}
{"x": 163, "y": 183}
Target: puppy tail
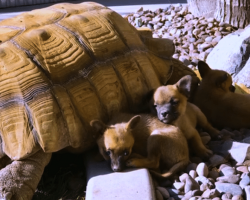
{"x": 178, "y": 167}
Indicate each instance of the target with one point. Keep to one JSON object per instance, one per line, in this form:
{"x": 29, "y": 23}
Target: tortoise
{"x": 61, "y": 67}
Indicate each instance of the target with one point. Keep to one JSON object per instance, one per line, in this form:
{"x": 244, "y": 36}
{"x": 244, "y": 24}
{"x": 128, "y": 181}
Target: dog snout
{"x": 116, "y": 169}
{"x": 164, "y": 114}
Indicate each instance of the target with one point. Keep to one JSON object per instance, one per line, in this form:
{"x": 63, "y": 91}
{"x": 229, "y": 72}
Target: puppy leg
{"x": 197, "y": 145}
{"x": 178, "y": 167}
{"x": 153, "y": 159}
{"x": 203, "y": 123}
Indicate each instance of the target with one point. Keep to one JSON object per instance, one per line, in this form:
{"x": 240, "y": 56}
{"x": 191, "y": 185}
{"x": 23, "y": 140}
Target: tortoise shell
{"x": 65, "y": 65}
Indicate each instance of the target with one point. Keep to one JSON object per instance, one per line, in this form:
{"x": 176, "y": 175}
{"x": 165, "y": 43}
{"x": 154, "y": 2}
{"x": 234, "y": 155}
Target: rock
{"x": 228, "y": 187}
{"x": 213, "y": 174}
{"x": 247, "y": 191}
{"x": 232, "y": 60}
{"x": 138, "y": 22}
{"x": 229, "y": 179}
{"x": 193, "y": 174}
{"x": 179, "y": 185}
{"x": 158, "y": 195}
{"x": 190, "y": 184}
{"x": 245, "y": 180}
{"x": 243, "y": 169}
{"x": 238, "y": 151}
{"x": 207, "y": 183}
{"x": 192, "y": 193}
{"x": 210, "y": 193}
{"x": 205, "y": 139}
{"x": 227, "y": 170}
{"x": 183, "y": 177}
{"x": 227, "y": 196}
{"x": 208, "y": 39}
{"x": 164, "y": 192}
{"x": 237, "y": 197}
{"x": 216, "y": 160}
{"x": 202, "y": 170}
{"x": 174, "y": 192}
{"x": 216, "y": 198}
{"x": 203, "y": 56}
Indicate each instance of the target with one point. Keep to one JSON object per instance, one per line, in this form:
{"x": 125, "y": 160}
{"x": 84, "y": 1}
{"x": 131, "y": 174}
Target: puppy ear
{"x": 133, "y": 122}
{"x": 184, "y": 85}
{"x": 203, "y": 68}
{"x": 221, "y": 82}
{"x": 98, "y": 126}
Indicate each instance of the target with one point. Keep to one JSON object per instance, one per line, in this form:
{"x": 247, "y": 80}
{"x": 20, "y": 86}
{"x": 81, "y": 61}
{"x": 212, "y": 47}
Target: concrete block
{"x": 103, "y": 183}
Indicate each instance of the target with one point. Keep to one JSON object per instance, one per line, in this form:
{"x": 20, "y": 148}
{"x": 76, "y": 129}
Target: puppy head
{"x": 116, "y": 142}
{"x": 170, "y": 101}
{"x": 216, "y": 79}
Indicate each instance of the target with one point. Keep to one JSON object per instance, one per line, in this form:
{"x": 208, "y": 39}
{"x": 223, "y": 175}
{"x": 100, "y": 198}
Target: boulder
{"x": 233, "y": 60}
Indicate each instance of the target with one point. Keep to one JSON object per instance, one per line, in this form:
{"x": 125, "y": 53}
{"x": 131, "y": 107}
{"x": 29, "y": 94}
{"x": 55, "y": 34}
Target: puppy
{"x": 172, "y": 107}
{"x": 144, "y": 135}
{"x": 216, "y": 98}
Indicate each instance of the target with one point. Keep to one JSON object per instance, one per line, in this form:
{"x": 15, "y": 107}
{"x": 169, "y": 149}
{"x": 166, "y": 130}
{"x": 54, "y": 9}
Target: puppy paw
{"x": 205, "y": 153}
{"x": 132, "y": 162}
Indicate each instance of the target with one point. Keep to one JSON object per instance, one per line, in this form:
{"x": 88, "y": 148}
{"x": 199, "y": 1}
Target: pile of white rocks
{"x": 193, "y": 37}
{"x": 225, "y": 175}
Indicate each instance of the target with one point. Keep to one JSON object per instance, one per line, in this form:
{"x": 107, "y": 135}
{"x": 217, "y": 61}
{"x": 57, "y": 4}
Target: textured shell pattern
{"x": 63, "y": 66}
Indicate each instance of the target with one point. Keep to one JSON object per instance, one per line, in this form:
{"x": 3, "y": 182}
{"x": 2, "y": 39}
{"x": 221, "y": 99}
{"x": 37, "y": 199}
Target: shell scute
{"x": 56, "y": 50}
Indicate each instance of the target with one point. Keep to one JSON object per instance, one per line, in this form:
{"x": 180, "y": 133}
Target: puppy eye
{"x": 108, "y": 152}
{"x": 125, "y": 153}
{"x": 174, "y": 102}
{"x": 155, "y": 105}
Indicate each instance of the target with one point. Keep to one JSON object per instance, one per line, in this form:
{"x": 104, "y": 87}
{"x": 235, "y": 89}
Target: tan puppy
{"x": 173, "y": 108}
{"x": 217, "y": 101}
{"x": 145, "y": 135}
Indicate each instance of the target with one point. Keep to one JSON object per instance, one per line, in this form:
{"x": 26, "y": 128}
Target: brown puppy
{"x": 145, "y": 135}
{"x": 173, "y": 108}
{"x": 217, "y": 101}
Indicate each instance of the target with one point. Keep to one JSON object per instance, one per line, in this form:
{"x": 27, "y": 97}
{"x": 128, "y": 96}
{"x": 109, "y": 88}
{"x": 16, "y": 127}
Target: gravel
{"x": 193, "y": 37}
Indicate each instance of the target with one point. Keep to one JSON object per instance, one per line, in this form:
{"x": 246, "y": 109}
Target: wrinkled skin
{"x": 19, "y": 180}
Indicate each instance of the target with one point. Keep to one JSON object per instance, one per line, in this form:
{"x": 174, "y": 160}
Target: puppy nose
{"x": 164, "y": 114}
{"x": 116, "y": 169}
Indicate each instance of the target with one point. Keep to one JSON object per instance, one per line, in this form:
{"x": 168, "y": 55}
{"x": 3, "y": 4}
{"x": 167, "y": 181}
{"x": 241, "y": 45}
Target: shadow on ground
{"x": 63, "y": 178}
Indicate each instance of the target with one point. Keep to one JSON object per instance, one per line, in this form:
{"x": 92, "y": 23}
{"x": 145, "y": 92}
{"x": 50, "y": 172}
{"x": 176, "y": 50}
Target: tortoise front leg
{"x": 19, "y": 180}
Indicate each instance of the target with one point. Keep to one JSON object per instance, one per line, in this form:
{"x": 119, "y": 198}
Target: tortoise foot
{"x": 18, "y": 180}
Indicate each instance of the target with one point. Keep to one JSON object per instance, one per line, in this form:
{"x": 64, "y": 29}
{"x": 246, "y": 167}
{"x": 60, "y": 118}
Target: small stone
{"x": 205, "y": 139}
{"x": 237, "y": 197}
{"x": 196, "y": 31}
{"x": 203, "y": 56}
{"x": 164, "y": 192}
{"x": 140, "y": 9}
{"x": 211, "y": 19}
{"x": 243, "y": 169}
{"x": 209, "y": 50}
{"x": 176, "y": 56}
{"x": 216, "y": 160}
{"x": 202, "y": 170}
{"x": 173, "y": 192}
{"x": 211, "y": 193}
{"x": 208, "y": 39}
{"x": 158, "y": 195}
{"x": 216, "y": 198}
{"x": 179, "y": 185}
{"x": 138, "y": 22}
{"x": 191, "y": 166}
{"x": 205, "y": 45}
{"x": 228, "y": 187}
{"x": 192, "y": 39}
{"x": 193, "y": 174}
{"x": 213, "y": 174}
{"x": 245, "y": 180}
{"x": 191, "y": 184}
{"x": 226, "y": 196}
{"x": 183, "y": 177}
{"x": 229, "y": 179}
{"x": 210, "y": 25}
{"x": 192, "y": 193}
{"x": 226, "y": 170}
{"x": 155, "y": 35}
{"x": 217, "y": 33}
{"x": 247, "y": 191}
